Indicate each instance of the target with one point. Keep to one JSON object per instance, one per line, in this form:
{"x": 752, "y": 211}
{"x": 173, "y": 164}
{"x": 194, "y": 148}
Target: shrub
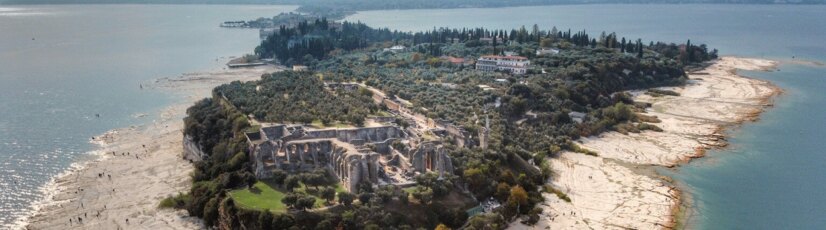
{"x": 345, "y": 198}
{"x": 646, "y": 126}
{"x": 533, "y": 216}
{"x": 661, "y": 92}
{"x": 575, "y": 148}
{"x": 177, "y": 202}
{"x": 560, "y": 194}
{"x": 646, "y": 118}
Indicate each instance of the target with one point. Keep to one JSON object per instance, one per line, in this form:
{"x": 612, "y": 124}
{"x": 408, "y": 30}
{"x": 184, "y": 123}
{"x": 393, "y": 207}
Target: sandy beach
{"x": 618, "y": 189}
{"x": 138, "y": 167}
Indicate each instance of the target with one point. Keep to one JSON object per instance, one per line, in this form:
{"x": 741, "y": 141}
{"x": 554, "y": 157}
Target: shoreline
{"x": 620, "y": 188}
{"x": 145, "y": 163}
{"x": 154, "y": 167}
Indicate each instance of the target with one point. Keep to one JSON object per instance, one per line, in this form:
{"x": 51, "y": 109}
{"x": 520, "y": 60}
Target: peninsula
{"x": 464, "y": 128}
{"x": 451, "y": 128}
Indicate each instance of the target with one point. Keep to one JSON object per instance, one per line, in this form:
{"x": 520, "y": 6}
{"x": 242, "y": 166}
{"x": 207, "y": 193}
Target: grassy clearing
{"x": 267, "y": 196}
{"x": 409, "y": 189}
{"x": 382, "y": 113}
{"x": 253, "y": 128}
{"x": 260, "y": 197}
{"x": 336, "y": 124}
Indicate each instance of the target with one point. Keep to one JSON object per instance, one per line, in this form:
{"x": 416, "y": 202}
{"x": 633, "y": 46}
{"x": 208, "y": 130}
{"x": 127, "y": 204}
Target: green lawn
{"x": 260, "y": 197}
{"x": 409, "y": 189}
{"x": 264, "y": 196}
{"x": 336, "y": 124}
{"x": 253, "y": 128}
{"x": 383, "y": 113}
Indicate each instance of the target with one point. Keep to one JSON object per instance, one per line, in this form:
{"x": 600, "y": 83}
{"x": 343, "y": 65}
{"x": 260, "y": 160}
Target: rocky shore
{"x": 619, "y": 189}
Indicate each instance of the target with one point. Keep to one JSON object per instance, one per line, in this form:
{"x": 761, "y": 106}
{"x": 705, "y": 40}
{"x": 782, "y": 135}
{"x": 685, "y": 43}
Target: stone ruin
{"x": 353, "y": 155}
{"x": 430, "y": 156}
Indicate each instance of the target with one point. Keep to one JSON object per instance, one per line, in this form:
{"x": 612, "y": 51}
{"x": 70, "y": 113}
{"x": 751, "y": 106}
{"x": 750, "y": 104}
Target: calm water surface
{"x": 62, "y": 65}
{"x": 774, "y": 174}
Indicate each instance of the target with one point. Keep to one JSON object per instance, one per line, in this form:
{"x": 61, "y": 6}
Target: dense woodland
{"x": 214, "y": 126}
{"x": 314, "y": 40}
{"x": 297, "y": 97}
{"x": 529, "y": 115}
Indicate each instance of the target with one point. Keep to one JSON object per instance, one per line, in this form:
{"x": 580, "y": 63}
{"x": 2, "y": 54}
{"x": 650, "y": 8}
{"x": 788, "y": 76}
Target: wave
{"x": 57, "y": 183}
{"x": 12, "y": 12}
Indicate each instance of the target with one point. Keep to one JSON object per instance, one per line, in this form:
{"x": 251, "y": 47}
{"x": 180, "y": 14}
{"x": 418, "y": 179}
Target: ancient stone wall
{"x": 273, "y": 132}
{"x": 354, "y": 168}
{"x": 431, "y": 157}
{"x": 370, "y": 134}
{"x": 384, "y": 146}
{"x": 343, "y": 151}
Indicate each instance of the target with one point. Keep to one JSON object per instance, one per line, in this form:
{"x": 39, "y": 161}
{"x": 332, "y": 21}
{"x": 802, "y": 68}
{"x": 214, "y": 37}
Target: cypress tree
{"x": 622, "y": 45}
{"x": 494, "y": 45}
{"x": 639, "y": 48}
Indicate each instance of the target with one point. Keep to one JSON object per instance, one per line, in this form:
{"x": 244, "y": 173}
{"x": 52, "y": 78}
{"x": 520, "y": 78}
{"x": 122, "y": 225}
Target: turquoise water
{"x": 61, "y": 65}
{"x": 774, "y": 174}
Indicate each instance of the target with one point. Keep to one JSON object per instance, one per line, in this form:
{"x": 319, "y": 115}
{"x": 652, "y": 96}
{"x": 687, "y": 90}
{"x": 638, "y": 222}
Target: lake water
{"x": 60, "y": 65}
{"x": 774, "y": 174}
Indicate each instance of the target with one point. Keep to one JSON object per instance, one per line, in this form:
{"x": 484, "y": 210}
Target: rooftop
{"x": 504, "y": 57}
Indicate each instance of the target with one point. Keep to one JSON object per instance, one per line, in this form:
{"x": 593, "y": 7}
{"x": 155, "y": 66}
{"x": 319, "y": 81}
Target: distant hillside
{"x": 404, "y": 4}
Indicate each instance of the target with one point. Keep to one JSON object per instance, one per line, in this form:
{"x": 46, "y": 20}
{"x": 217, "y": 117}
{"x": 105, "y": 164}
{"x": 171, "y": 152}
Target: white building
{"x": 512, "y": 64}
{"x": 546, "y": 51}
{"x": 396, "y": 48}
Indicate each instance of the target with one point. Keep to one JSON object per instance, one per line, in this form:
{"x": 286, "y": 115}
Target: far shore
{"x": 145, "y": 164}
{"x": 618, "y": 189}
